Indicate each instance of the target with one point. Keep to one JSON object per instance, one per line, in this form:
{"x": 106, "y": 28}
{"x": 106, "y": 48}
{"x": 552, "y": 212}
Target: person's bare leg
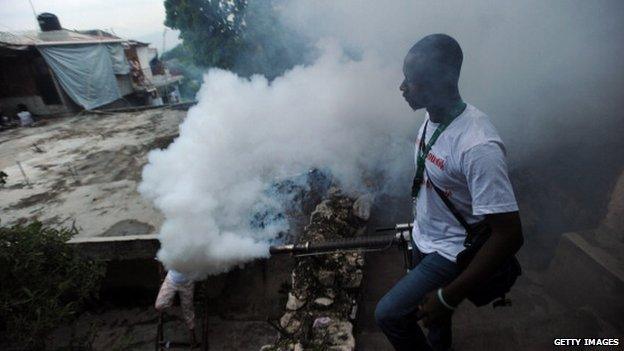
{"x": 165, "y": 295}
{"x": 188, "y": 309}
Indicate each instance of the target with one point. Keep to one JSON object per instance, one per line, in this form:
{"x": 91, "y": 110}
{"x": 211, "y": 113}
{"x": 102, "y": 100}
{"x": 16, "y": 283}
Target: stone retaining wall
{"x": 323, "y": 292}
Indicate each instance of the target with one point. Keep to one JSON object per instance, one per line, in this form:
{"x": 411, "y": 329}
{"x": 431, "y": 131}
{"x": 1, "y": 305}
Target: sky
{"x": 132, "y": 19}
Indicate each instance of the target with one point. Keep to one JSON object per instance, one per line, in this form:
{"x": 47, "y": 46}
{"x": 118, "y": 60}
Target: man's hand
{"x": 505, "y": 240}
{"x": 432, "y": 311}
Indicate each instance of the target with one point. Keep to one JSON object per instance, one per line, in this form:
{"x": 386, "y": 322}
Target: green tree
{"x": 44, "y": 282}
{"x": 244, "y": 36}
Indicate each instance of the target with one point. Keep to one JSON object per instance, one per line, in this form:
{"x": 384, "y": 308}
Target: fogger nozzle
{"x": 281, "y": 249}
{"x": 366, "y": 242}
{"x": 373, "y": 242}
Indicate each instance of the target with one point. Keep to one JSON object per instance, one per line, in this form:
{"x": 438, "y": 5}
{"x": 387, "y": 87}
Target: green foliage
{"x": 44, "y": 282}
{"x": 179, "y": 52}
{"x": 244, "y": 36}
{"x": 211, "y": 27}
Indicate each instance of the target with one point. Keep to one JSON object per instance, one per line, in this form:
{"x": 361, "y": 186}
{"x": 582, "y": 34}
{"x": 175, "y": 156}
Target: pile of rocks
{"x": 323, "y": 292}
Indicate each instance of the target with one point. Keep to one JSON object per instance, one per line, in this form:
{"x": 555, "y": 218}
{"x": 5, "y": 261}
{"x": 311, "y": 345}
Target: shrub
{"x": 43, "y": 282}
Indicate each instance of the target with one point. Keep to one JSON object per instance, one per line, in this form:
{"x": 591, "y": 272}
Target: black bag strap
{"x": 450, "y": 206}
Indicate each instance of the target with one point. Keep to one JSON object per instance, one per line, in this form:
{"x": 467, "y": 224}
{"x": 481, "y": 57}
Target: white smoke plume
{"x": 541, "y": 70}
{"x": 244, "y": 134}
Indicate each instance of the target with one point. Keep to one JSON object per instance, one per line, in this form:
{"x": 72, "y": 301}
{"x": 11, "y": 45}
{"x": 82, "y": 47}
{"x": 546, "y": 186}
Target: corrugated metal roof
{"x": 55, "y": 37}
{"x": 132, "y": 42}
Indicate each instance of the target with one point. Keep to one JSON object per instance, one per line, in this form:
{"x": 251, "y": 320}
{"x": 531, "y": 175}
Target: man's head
{"x": 431, "y": 69}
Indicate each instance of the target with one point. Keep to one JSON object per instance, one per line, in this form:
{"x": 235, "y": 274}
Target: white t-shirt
{"x": 25, "y": 118}
{"x": 177, "y": 277}
{"x": 467, "y": 162}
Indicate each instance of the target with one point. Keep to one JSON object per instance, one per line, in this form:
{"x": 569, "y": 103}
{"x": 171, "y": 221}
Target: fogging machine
{"x": 401, "y": 238}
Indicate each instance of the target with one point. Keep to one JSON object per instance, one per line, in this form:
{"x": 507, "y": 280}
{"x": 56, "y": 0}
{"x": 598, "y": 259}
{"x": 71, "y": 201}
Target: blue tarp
{"x": 120, "y": 64}
{"x": 85, "y": 72}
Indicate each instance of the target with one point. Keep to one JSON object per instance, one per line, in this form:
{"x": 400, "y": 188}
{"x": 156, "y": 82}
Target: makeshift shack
{"x": 59, "y": 71}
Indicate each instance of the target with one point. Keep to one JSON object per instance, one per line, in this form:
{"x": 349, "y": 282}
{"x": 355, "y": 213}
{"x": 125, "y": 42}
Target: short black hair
{"x": 442, "y": 54}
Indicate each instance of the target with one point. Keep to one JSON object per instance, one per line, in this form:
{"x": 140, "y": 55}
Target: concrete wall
{"x": 585, "y": 275}
{"x": 117, "y": 248}
{"x": 248, "y": 293}
{"x": 24, "y": 78}
{"x": 34, "y": 103}
{"x": 145, "y": 55}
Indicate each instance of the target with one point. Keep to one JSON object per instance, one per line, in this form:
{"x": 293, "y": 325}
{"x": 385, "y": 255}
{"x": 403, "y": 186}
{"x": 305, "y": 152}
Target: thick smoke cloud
{"x": 534, "y": 66}
{"x": 244, "y": 134}
{"x": 550, "y": 75}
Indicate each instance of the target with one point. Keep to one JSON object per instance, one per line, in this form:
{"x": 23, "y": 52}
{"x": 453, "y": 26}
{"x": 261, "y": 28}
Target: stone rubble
{"x": 362, "y": 207}
{"x": 294, "y": 303}
{"x": 323, "y": 302}
{"x": 323, "y": 291}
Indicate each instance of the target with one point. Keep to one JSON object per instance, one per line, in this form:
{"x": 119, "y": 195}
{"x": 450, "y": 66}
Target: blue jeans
{"x": 396, "y": 311}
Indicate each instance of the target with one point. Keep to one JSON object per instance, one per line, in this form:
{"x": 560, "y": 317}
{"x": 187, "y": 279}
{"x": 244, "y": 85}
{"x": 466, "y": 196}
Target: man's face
{"x": 413, "y": 86}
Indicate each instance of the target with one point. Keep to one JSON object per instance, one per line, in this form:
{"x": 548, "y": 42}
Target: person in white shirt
{"x": 176, "y": 282}
{"x": 459, "y": 151}
{"x": 173, "y": 97}
{"x": 3, "y": 119}
{"x": 24, "y": 116}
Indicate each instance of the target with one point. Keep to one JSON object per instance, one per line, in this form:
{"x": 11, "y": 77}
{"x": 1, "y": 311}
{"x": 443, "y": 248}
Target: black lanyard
{"x": 423, "y": 151}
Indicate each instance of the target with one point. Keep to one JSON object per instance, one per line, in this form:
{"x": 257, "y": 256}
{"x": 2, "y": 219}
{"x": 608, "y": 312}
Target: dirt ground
{"x": 135, "y": 329}
{"x": 84, "y": 168}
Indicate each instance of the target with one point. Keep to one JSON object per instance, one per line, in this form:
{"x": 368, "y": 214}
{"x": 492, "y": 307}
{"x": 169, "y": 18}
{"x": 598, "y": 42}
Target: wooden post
{"x": 23, "y": 173}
